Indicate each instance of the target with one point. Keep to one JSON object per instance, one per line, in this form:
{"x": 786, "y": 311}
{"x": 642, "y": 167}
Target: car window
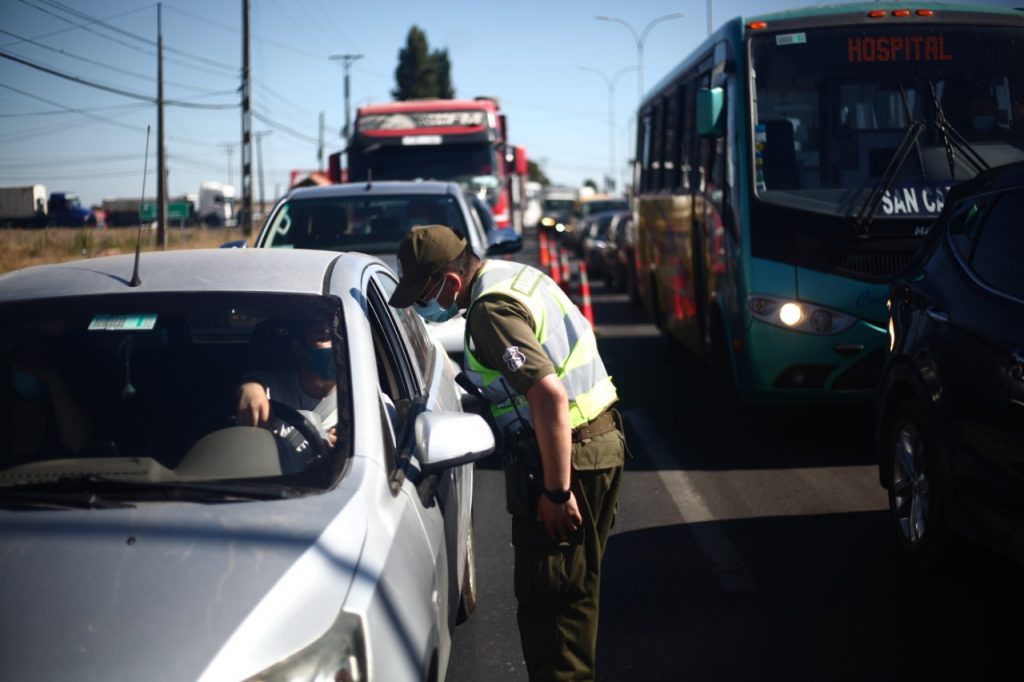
{"x": 999, "y": 248}
{"x": 156, "y": 381}
{"x": 412, "y": 329}
{"x": 367, "y": 223}
{"x": 964, "y": 222}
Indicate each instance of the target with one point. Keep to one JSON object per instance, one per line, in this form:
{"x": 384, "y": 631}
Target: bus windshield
{"x": 833, "y": 105}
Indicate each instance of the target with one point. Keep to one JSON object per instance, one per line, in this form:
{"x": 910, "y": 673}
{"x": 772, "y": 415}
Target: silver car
{"x": 167, "y": 542}
{"x": 374, "y": 217}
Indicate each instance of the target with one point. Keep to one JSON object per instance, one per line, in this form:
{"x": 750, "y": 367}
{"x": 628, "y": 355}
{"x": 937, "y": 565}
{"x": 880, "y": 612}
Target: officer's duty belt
{"x": 598, "y": 426}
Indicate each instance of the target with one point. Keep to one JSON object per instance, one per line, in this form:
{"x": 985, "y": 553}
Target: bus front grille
{"x": 871, "y": 264}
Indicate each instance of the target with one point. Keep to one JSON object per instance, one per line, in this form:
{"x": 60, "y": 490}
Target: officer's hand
{"x": 253, "y": 406}
{"x": 559, "y": 519}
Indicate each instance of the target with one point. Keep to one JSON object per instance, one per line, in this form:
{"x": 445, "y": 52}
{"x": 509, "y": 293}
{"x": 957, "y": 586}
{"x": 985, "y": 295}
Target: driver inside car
{"x": 310, "y": 388}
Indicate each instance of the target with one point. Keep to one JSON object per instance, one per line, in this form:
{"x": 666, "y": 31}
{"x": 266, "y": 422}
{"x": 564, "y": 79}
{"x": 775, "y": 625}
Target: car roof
{"x": 407, "y": 187}
{"x": 296, "y": 271}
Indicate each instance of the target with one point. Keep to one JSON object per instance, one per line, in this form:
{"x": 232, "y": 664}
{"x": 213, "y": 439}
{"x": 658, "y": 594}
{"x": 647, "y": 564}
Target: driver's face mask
{"x": 320, "y": 361}
{"x": 28, "y": 386}
{"x": 983, "y": 123}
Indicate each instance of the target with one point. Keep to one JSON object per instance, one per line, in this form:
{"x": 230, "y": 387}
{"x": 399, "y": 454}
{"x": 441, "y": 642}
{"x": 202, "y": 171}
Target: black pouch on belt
{"x": 523, "y": 481}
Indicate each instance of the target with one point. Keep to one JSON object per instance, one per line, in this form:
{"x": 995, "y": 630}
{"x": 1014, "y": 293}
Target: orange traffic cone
{"x": 556, "y": 266}
{"x": 584, "y": 305}
{"x": 566, "y": 272}
{"x": 544, "y": 255}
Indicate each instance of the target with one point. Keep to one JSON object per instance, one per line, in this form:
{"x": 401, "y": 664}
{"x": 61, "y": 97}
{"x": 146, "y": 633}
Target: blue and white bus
{"x": 790, "y": 165}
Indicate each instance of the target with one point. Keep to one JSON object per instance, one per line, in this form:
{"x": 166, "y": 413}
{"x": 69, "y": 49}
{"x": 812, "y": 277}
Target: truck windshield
{"x": 833, "y": 104}
{"x": 456, "y": 162}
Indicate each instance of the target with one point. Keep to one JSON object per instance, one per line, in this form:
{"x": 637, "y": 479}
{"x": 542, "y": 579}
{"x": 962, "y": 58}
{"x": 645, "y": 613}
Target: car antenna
{"x": 136, "y": 281}
{"x": 369, "y": 178}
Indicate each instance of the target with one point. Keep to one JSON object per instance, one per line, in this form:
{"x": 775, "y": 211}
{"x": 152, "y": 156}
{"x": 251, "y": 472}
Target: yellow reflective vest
{"x": 562, "y": 331}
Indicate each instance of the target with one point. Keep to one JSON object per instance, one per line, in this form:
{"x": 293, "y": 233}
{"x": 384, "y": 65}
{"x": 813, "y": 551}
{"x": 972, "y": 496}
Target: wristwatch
{"x": 557, "y": 496}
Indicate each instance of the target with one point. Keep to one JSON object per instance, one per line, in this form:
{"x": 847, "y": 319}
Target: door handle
{"x": 937, "y": 314}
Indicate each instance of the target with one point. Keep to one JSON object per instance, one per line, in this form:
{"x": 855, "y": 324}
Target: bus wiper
{"x": 951, "y": 138}
{"x": 866, "y": 215}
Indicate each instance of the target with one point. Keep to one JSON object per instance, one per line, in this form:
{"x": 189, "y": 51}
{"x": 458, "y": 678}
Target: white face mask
{"x": 433, "y": 312}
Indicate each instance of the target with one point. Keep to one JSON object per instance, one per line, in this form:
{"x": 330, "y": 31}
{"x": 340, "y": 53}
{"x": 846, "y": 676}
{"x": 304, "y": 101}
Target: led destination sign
{"x": 408, "y": 120}
{"x": 897, "y": 49}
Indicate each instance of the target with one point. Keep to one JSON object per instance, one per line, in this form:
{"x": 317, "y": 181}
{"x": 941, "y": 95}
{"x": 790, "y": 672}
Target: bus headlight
{"x": 547, "y": 221}
{"x": 799, "y": 315}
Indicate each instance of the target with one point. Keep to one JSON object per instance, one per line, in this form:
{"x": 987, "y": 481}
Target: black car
{"x": 950, "y": 407}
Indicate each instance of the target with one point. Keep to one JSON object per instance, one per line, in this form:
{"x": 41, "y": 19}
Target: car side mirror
{"x": 449, "y": 439}
{"x": 504, "y": 241}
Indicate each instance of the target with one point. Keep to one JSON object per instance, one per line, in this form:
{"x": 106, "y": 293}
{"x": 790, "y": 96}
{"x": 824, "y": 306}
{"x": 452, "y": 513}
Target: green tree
{"x": 443, "y": 69}
{"x": 534, "y": 173}
{"x": 590, "y": 183}
{"x": 421, "y": 73}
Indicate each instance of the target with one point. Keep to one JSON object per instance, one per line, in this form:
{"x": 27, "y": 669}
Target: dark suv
{"x": 950, "y": 408}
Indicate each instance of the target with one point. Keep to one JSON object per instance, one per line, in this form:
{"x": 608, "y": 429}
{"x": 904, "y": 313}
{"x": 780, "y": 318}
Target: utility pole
{"x": 245, "y": 219}
{"x": 610, "y": 82}
{"x": 229, "y": 147}
{"x": 259, "y": 164}
{"x": 161, "y": 157}
{"x": 346, "y": 63}
{"x": 320, "y": 146}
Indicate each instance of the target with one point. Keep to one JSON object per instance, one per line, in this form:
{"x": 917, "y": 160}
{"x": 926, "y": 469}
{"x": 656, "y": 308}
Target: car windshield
{"x": 558, "y": 207}
{"x": 112, "y": 391}
{"x": 370, "y": 223}
{"x": 833, "y": 105}
{"x": 601, "y": 205}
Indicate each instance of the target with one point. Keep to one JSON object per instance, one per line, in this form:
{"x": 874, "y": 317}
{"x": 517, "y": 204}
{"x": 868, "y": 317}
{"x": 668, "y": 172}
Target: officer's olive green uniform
{"x": 556, "y": 583}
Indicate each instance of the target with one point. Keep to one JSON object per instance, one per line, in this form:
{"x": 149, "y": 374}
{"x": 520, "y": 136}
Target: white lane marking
{"x": 732, "y": 574}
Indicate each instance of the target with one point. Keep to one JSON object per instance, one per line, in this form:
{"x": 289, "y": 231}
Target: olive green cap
{"x": 423, "y": 253}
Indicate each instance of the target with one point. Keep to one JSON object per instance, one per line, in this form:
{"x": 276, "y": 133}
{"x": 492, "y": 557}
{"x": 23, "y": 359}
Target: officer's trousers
{"x": 557, "y": 584}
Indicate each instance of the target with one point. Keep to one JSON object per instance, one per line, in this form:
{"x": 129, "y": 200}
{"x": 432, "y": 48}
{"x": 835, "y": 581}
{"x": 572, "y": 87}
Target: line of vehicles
{"x": 799, "y": 219}
{"x": 802, "y": 222}
{"x": 215, "y": 205}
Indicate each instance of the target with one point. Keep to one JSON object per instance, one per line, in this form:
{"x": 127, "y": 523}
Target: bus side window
{"x": 657, "y": 144}
{"x": 688, "y": 125}
{"x": 670, "y": 172}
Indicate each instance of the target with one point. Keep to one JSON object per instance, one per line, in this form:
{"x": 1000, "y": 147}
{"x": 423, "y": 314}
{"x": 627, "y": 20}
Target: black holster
{"x": 524, "y": 478}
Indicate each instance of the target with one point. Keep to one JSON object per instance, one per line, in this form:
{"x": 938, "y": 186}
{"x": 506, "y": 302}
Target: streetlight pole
{"x": 610, "y": 82}
{"x": 640, "y": 45}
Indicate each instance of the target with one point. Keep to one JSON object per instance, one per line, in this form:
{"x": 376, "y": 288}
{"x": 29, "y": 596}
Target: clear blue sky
{"x": 528, "y": 53}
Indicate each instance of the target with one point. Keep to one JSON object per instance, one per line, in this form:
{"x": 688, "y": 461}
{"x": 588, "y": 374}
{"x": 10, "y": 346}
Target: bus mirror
{"x": 710, "y": 103}
{"x": 520, "y": 161}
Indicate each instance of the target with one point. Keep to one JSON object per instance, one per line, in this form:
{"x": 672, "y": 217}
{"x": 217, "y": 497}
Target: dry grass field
{"x": 21, "y": 248}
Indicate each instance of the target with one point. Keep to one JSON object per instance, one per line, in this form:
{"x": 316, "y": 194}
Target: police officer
{"x": 534, "y": 357}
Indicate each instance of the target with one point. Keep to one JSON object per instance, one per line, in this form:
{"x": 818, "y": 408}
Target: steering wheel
{"x": 309, "y": 446}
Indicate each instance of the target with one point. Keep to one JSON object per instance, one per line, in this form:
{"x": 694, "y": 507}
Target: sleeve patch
{"x": 514, "y": 358}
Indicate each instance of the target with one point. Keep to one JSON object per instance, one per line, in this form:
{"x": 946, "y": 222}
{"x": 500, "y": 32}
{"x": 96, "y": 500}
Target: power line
{"x": 73, "y": 27}
{"x": 146, "y": 41}
{"x": 133, "y": 74}
{"x": 74, "y": 111}
{"x": 109, "y": 88}
{"x": 151, "y": 53}
{"x": 285, "y": 129}
{"x": 112, "y": 174}
{"x": 66, "y": 161}
{"x": 261, "y": 39}
{"x": 83, "y": 112}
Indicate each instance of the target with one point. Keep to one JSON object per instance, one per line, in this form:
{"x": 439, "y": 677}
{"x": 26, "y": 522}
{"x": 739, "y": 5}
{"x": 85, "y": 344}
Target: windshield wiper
{"x": 95, "y": 490}
{"x": 951, "y": 138}
{"x": 867, "y": 212}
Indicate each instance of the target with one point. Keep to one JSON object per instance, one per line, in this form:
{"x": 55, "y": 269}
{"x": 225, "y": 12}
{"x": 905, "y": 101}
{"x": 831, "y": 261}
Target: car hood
{"x": 166, "y": 591}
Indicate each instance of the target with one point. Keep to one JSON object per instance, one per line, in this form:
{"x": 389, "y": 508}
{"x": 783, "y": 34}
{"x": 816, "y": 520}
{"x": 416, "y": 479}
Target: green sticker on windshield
{"x": 119, "y": 323}
{"x": 791, "y": 39}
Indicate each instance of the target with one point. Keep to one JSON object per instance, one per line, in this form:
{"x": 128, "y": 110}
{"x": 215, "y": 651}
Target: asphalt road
{"x": 753, "y": 549}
